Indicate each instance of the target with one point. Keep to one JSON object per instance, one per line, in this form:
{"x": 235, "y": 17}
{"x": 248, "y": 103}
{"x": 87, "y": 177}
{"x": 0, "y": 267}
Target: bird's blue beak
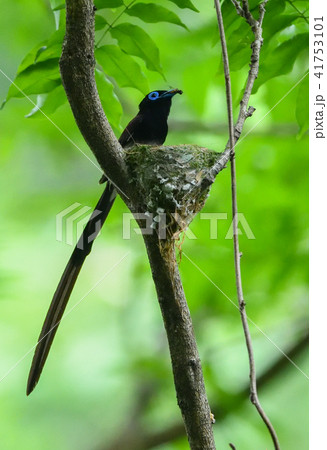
{"x": 171, "y": 93}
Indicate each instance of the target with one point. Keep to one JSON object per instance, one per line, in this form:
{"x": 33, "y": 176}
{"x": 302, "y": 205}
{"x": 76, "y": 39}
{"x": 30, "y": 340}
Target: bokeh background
{"x": 108, "y": 375}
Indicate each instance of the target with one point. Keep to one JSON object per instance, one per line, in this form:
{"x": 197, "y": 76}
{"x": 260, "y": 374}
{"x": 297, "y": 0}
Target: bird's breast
{"x": 153, "y": 131}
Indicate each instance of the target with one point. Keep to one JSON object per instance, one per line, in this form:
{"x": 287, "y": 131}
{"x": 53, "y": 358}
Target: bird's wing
{"x": 67, "y": 282}
{"x": 128, "y": 138}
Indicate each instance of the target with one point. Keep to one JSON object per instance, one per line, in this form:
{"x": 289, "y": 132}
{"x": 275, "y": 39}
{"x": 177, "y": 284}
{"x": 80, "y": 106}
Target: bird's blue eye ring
{"x": 153, "y": 95}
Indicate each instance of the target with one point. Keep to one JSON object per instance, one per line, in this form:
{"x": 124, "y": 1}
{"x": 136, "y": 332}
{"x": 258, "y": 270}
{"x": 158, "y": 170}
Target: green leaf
{"x": 239, "y": 40}
{"x": 152, "y": 13}
{"x": 110, "y": 102}
{"x": 30, "y": 58}
{"x": 231, "y": 21}
{"x": 48, "y": 103}
{"x": 59, "y": 11}
{"x": 239, "y": 47}
{"x": 254, "y": 4}
{"x": 54, "y": 51}
{"x": 281, "y": 60}
{"x": 302, "y": 107}
{"x": 134, "y": 41}
{"x": 229, "y": 14}
{"x": 38, "y": 73}
{"x": 38, "y": 78}
{"x": 272, "y": 27}
{"x": 57, "y": 8}
{"x": 100, "y": 22}
{"x": 185, "y": 4}
{"x": 50, "y": 48}
{"x": 55, "y": 3}
{"x": 275, "y": 7}
{"x": 101, "y": 4}
{"x": 122, "y": 67}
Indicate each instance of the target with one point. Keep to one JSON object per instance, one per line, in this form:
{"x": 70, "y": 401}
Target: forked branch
{"x": 77, "y": 65}
{"x": 256, "y": 27}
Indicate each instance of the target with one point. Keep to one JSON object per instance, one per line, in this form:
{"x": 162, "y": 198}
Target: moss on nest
{"x": 168, "y": 179}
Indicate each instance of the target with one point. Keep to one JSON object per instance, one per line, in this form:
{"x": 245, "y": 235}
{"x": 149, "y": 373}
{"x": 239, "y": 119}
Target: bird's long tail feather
{"x": 67, "y": 282}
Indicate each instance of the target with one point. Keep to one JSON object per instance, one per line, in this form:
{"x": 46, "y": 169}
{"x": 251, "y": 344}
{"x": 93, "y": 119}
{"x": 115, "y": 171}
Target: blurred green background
{"x": 108, "y": 374}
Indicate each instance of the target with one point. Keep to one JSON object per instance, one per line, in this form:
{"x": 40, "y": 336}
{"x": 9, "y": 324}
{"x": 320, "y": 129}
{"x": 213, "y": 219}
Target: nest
{"x": 169, "y": 181}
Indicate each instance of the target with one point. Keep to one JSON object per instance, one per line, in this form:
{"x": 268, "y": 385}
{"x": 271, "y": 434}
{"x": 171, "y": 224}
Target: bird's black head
{"x": 158, "y": 101}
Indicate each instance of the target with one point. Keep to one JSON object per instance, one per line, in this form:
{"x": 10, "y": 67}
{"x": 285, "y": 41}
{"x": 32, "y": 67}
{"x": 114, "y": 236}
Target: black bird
{"x": 150, "y": 127}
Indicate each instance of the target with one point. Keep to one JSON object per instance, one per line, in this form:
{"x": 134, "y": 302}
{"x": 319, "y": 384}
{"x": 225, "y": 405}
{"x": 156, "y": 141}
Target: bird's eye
{"x": 153, "y": 95}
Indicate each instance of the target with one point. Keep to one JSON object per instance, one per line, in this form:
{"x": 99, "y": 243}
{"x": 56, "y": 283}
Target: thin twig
{"x": 110, "y": 25}
{"x": 238, "y": 7}
{"x": 297, "y": 10}
{"x": 237, "y": 255}
{"x": 245, "y": 110}
{"x": 247, "y": 13}
{"x": 137, "y": 438}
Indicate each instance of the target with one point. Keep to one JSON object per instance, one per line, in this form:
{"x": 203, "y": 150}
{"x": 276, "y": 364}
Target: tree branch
{"x": 245, "y": 110}
{"x": 188, "y": 377}
{"x": 77, "y": 65}
{"x": 140, "y": 439}
{"x": 255, "y": 25}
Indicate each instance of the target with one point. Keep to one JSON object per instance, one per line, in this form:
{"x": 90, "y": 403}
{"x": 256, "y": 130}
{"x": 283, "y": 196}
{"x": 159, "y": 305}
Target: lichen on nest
{"x": 168, "y": 179}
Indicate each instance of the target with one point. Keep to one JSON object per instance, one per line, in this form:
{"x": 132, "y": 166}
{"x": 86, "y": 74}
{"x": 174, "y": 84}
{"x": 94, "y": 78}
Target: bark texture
{"x": 188, "y": 377}
{"x": 77, "y": 66}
